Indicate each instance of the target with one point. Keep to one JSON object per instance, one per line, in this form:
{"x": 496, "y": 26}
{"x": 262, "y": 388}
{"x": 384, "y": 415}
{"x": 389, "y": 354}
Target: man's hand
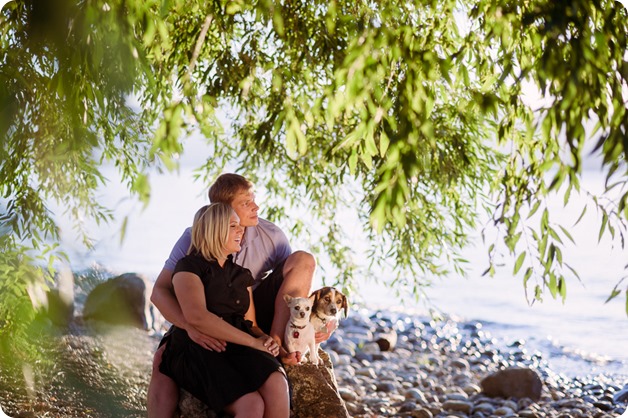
{"x": 205, "y": 341}
{"x": 289, "y": 359}
{"x": 330, "y": 327}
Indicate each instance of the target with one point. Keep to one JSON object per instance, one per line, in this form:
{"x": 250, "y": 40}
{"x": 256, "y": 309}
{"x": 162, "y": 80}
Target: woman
{"x": 245, "y": 380}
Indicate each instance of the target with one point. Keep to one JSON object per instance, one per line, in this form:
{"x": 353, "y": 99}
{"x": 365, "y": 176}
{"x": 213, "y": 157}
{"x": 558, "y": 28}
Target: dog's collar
{"x": 295, "y": 334}
{"x": 322, "y": 319}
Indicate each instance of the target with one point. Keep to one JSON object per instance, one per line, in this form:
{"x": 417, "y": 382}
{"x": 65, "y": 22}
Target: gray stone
{"x": 459, "y": 406}
{"x": 421, "y": 413}
{"x": 122, "y": 300}
{"x": 191, "y": 407}
{"x": 513, "y": 382}
{"x": 387, "y": 341}
{"x": 315, "y": 390}
{"x": 60, "y": 308}
{"x": 621, "y": 396}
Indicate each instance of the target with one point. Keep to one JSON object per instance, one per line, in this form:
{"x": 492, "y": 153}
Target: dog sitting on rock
{"x": 299, "y": 335}
{"x": 328, "y": 304}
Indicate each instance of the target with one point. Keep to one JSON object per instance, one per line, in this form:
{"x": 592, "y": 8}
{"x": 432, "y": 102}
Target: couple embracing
{"x": 222, "y": 288}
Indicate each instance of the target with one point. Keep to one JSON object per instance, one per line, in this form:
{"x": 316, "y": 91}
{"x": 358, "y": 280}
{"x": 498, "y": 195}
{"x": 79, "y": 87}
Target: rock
{"x": 459, "y": 406}
{"x": 191, "y": 407}
{"x": 516, "y": 382}
{"x": 421, "y": 413}
{"x": 314, "y": 394}
{"x": 122, "y": 300}
{"x": 621, "y": 396}
{"x": 387, "y": 341}
{"x": 60, "y": 309}
{"x": 314, "y": 390}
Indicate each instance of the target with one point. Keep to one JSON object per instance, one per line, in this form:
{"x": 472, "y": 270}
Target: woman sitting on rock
{"x": 215, "y": 295}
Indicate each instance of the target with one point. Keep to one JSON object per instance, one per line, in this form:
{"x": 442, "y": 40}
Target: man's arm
{"x": 165, "y": 300}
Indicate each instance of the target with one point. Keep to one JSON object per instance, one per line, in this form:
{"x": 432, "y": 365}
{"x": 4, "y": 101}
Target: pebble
{"x": 435, "y": 368}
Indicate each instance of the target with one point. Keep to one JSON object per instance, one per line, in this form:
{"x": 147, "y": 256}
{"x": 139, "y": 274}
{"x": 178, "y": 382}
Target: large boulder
{"x": 122, "y": 300}
{"x": 513, "y": 382}
{"x": 60, "y": 308}
{"x": 314, "y": 393}
{"x": 315, "y": 390}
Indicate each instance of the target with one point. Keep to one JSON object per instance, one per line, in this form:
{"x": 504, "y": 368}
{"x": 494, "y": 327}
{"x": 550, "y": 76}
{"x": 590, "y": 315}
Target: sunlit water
{"x": 580, "y": 337}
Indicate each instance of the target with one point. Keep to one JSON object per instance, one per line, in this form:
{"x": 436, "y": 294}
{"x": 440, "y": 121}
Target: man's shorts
{"x": 264, "y": 297}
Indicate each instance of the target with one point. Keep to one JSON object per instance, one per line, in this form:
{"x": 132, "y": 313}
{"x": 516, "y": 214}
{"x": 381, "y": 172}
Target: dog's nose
{"x": 302, "y": 314}
{"x": 334, "y": 310}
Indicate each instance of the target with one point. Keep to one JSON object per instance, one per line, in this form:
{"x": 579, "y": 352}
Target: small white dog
{"x": 299, "y": 334}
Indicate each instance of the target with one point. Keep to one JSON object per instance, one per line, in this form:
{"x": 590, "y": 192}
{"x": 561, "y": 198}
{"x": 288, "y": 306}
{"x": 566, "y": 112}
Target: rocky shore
{"x": 386, "y": 365}
{"x": 397, "y": 365}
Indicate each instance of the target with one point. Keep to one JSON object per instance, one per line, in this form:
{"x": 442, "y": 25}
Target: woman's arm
{"x": 191, "y": 296}
{"x": 164, "y": 299}
{"x": 272, "y": 345}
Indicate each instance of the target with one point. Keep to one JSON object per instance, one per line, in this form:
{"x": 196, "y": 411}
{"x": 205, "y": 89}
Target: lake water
{"x": 580, "y": 337}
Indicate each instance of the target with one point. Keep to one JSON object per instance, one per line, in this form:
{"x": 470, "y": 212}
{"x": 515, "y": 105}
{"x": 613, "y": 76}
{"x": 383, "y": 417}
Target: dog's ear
{"x": 313, "y": 297}
{"x": 316, "y": 295}
{"x": 287, "y": 298}
{"x": 345, "y": 305}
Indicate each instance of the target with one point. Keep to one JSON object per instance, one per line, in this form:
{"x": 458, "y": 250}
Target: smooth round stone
{"x": 347, "y": 394}
{"x": 458, "y": 406}
{"x": 484, "y": 407}
{"x": 456, "y": 397}
{"x": 414, "y": 393}
{"x": 504, "y": 411}
{"x": 387, "y": 387}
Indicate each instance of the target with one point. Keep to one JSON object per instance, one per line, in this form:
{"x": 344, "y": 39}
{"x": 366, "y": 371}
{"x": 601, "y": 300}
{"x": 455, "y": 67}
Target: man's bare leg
{"x": 298, "y": 274}
{"x": 163, "y": 392}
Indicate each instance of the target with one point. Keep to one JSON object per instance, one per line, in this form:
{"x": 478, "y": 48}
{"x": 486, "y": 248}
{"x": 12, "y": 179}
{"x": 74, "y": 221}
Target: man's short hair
{"x": 227, "y": 186}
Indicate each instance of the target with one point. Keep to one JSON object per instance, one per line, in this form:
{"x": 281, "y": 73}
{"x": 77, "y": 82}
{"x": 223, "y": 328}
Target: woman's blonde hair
{"x": 210, "y": 230}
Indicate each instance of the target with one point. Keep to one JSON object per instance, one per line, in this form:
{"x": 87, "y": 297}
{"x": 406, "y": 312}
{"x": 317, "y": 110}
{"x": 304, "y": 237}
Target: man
{"x": 277, "y": 271}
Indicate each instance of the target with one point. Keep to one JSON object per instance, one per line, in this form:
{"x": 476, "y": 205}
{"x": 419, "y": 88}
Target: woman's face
{"x": 235, "y": 235}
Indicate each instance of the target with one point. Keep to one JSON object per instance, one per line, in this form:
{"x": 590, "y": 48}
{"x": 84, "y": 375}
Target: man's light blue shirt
{"x": 264, "y": 247}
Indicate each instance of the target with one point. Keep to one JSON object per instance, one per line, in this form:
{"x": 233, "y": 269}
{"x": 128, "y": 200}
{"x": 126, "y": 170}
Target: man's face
{"x": 244, "y": 205}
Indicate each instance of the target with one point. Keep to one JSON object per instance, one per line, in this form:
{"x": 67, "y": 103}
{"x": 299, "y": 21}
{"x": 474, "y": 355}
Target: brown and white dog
{"x": 328, "y": 303}
{"x": 299, "y": 334}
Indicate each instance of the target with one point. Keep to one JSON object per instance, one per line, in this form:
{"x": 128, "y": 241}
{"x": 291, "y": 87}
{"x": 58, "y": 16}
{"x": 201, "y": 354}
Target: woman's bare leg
{"x": 276, "y": 396}
{"x": 250, "y": 405}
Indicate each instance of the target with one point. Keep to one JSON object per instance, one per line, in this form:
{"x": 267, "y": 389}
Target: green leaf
{"x": 603, "y": 226}
{"x": 562, "y": 288}
{"x": 567, "y": 234}
{"x": 552, "y": 285}
{"x": 519, "y": 262}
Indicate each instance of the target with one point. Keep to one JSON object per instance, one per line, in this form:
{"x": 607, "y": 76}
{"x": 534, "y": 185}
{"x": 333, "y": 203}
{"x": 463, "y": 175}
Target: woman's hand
{"x": 205, "y": 341}
{"x": 266, "y": 344}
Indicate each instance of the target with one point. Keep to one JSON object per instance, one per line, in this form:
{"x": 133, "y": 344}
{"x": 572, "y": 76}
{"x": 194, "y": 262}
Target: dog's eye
{"x": 307, "y": 309}
{"x": 328, "y": 299}
{"x": 298, "y": 308}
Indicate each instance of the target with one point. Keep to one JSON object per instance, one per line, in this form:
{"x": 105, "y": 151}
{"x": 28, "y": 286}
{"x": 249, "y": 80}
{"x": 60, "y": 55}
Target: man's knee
{"x": 300, "y": 260}
{"x": 157, "y": 358}
{"x": 163, "y": 392}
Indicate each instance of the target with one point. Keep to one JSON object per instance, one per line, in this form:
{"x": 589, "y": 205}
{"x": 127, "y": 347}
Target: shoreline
{"x": 446, "y": 361}
{"x": 433, "y": 366}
